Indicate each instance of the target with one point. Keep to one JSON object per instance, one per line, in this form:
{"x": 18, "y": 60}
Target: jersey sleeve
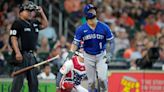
{"x": 109, "y": 34}
{"x": 78, "y": 35}
{"x": 67, "y": 66}
{"x": 15, "y": 29}
{"x": 38, "y": 24}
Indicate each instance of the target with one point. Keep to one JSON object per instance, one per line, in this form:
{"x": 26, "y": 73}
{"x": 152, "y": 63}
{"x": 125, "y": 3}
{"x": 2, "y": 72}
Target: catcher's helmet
{"x": 67, "y": 85}
{"x": 87, "y": 14}
{"x": 29, "y": 5}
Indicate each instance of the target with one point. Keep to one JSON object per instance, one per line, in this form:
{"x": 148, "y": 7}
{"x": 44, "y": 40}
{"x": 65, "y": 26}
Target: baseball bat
{"x": 33, "y": 66}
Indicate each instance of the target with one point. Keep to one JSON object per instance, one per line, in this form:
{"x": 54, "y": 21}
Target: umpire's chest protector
{"x": 29, "y": 34}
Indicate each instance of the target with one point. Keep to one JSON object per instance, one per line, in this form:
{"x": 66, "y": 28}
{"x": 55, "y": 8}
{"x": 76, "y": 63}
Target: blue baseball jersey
{"x": 94, "y": 40}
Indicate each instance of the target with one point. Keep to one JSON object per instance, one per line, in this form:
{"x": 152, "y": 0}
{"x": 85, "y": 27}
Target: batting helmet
{"x": 29, "y": 5}
{"x": 89, "y": 15}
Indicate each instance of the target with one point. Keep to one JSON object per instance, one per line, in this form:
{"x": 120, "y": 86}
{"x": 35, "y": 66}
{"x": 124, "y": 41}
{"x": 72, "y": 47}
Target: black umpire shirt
{"x": 26, "y": 32}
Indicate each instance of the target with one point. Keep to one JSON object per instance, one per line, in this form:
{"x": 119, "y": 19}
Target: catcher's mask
{"x": 29, "y": 5}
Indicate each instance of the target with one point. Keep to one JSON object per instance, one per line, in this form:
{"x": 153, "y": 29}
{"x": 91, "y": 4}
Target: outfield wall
{"x": 118, "y": 81}
{"x": 136, "y": 81}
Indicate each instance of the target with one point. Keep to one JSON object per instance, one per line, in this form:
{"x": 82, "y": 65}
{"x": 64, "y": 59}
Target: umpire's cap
{"x": 89, "y": 15}
{"x": 28, "y": 5}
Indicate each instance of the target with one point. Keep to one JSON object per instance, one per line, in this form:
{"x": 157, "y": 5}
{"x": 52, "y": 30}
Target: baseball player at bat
{"x": 96, "y": 36}
{"x": 71, "y": 74}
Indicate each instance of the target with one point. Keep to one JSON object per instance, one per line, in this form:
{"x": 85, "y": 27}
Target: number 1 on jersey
{"x": 100, "y": 44}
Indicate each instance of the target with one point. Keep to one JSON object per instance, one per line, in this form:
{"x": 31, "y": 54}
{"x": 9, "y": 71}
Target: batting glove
{"x": 108, "y": 57}
{"x": 70, "y": 54}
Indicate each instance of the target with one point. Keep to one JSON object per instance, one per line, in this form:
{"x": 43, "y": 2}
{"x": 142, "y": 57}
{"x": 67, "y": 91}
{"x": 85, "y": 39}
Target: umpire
{"x": 23, "y": 40}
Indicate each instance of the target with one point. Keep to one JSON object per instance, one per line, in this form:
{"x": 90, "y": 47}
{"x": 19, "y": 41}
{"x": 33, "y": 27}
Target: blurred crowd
{"x": 138, "y": 25}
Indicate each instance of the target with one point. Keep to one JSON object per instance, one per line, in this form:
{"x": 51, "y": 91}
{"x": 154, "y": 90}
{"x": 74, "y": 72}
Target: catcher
{"x": 71, "y": 74}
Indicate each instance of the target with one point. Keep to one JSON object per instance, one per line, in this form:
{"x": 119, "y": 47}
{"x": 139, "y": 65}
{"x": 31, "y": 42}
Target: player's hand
{"x": 70, "y": 54}
{"x": 108, "y": 57}
{"x": 40, "y": 9}
{"x": 19, "y": 56}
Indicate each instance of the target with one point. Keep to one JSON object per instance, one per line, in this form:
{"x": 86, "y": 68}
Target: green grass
{"x": 44, "y": 85}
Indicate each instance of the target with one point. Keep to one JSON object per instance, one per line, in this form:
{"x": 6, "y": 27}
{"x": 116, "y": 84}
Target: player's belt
{"x": 94, "y": 53}
{"x": 28, "y": 51}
